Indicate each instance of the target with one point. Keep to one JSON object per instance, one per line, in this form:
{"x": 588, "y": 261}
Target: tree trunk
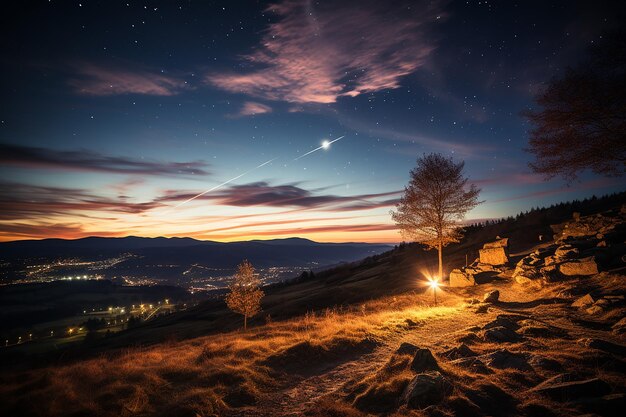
{"x": 245, "y": 322}
{"x": 440, "y": 276}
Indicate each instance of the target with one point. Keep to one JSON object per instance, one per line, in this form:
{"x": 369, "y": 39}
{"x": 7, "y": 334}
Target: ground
{"x": 343, "y": 361}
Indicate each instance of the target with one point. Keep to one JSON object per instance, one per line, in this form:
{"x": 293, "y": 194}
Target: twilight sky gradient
{"x": 113, "y": 113}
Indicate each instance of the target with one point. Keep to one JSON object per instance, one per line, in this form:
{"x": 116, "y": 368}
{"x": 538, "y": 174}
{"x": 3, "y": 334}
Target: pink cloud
{"x": 251, "y": 108}
{"x": 100, "y": 81}
{"x": 317, "y": 53}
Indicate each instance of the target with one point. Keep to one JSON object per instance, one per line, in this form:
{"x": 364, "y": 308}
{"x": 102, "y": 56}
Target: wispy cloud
{"x": 94, "y": 162}
{"x": 316, "y": 53}
{"x": 252, "y": 108}
{"x": 90, "y": 79}
{"x": 20, "y": 201}
{"x": 288, "y": 195}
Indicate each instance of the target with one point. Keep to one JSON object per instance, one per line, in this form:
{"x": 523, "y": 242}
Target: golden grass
{"x": 208, "y": 375}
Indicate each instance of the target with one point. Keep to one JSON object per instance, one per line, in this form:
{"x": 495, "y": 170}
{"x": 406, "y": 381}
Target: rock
{"x": 407, "y": 349}
{"x": 461, "y": 351}
{"x": 584, "y": 266}
{"x": 546, "y": 363}
{"x": 500, "y": 334}
{"x": 459, "y": 278}
{"x": 595, "y": 309}
{"x": 424, "y": 361}
{"x": 472, "y": 364}
{"x": 482, "y": 309}
{"x": 491, "y": 296}
{"x": 425, "y": 389}
{"x": 601, "y": 244}
{"x": 620, "y": 326}
{"x": 566, "y": 252}
{"x": 549, "y": 260}
{"x": 562, "y": 388}
{"x": 493, "y": 256}
{"x": 503, "y": 359}
{"x": 584, "y": 301}
{"x": 504, "y": 320}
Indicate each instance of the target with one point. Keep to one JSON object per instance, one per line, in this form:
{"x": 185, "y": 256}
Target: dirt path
{"x": 303, "y": 393}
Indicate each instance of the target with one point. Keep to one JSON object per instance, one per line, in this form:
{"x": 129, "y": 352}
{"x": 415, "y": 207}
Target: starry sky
{"x": 115, "y": 114}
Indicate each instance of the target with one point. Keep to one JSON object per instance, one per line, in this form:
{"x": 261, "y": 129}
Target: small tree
{"x": 434, "y": 202}
{"x": 245, "y": 295}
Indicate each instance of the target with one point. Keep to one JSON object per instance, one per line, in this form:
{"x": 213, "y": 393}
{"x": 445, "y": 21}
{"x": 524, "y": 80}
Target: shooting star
{"x": 325, "y": 145}
{"x": 223, "y": 184}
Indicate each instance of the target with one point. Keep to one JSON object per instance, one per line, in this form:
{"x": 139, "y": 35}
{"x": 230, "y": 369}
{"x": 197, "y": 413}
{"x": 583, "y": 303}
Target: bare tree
{"x": 434, "y": 202}
{"x": 245, "y": 295}
{"x": 581, "y": 120}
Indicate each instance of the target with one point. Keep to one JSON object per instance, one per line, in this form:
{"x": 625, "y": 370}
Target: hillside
{"x": 374, "y": 343}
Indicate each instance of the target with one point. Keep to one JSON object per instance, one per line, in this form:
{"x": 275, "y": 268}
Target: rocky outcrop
{"x": 495, "y": 253}
{"x": 493, "y": 257}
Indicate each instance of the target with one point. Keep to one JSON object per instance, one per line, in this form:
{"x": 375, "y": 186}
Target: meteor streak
{"x": 325, "y": 145}
{"x": 223, "y": 184}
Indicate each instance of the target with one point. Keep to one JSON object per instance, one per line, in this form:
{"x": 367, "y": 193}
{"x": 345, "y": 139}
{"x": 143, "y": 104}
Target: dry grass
{"x": 210, "y": 375}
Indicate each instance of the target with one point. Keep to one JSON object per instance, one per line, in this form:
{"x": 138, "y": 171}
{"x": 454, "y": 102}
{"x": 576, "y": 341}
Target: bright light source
{"x": 434, "y": 284}
{"x": 325, "y": 144}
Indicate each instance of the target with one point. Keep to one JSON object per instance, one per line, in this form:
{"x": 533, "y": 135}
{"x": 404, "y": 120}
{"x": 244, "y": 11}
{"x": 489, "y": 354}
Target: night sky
{"x": 114, "y": 114}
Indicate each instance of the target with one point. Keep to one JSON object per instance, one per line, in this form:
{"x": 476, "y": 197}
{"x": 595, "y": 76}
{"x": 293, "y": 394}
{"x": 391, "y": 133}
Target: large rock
{"x": 425, "y": 390}
{"x": 424, "y": 361}
{"x": 493, "y": 256}
{"x": 459, "y": 278}
{"x": 584, "y": 266}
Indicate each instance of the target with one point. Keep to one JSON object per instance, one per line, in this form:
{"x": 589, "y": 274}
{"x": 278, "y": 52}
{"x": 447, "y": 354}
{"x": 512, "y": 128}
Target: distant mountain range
{"x": 186, "y": 251}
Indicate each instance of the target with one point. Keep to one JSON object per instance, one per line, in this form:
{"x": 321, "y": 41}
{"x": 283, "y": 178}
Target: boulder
{"x": 407, "y": 349}
{"x": 424, "y": 361}
{"x": 503, "y": 359}
{"x": 584, "y": 301}
{"x": 562, "y": 388}
{"x": 494, "y": 256}
{"x": 425, "y": 389}
{"x": 491, "y": 296}
{"x": 584, "y": 266}
{"x": 459, "y": 278}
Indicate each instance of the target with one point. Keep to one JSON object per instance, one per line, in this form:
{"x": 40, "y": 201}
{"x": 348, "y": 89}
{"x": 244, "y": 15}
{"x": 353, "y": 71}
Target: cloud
{"x": 288, "y": 195}
{"x": 26, "y": 156}
{"x": 94, "y": 80}
{"x": 20, "y": 201}
{"x": 251, "y": 108}
{"x": 44, "y": 230}
{"x": 316, "y": 53}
